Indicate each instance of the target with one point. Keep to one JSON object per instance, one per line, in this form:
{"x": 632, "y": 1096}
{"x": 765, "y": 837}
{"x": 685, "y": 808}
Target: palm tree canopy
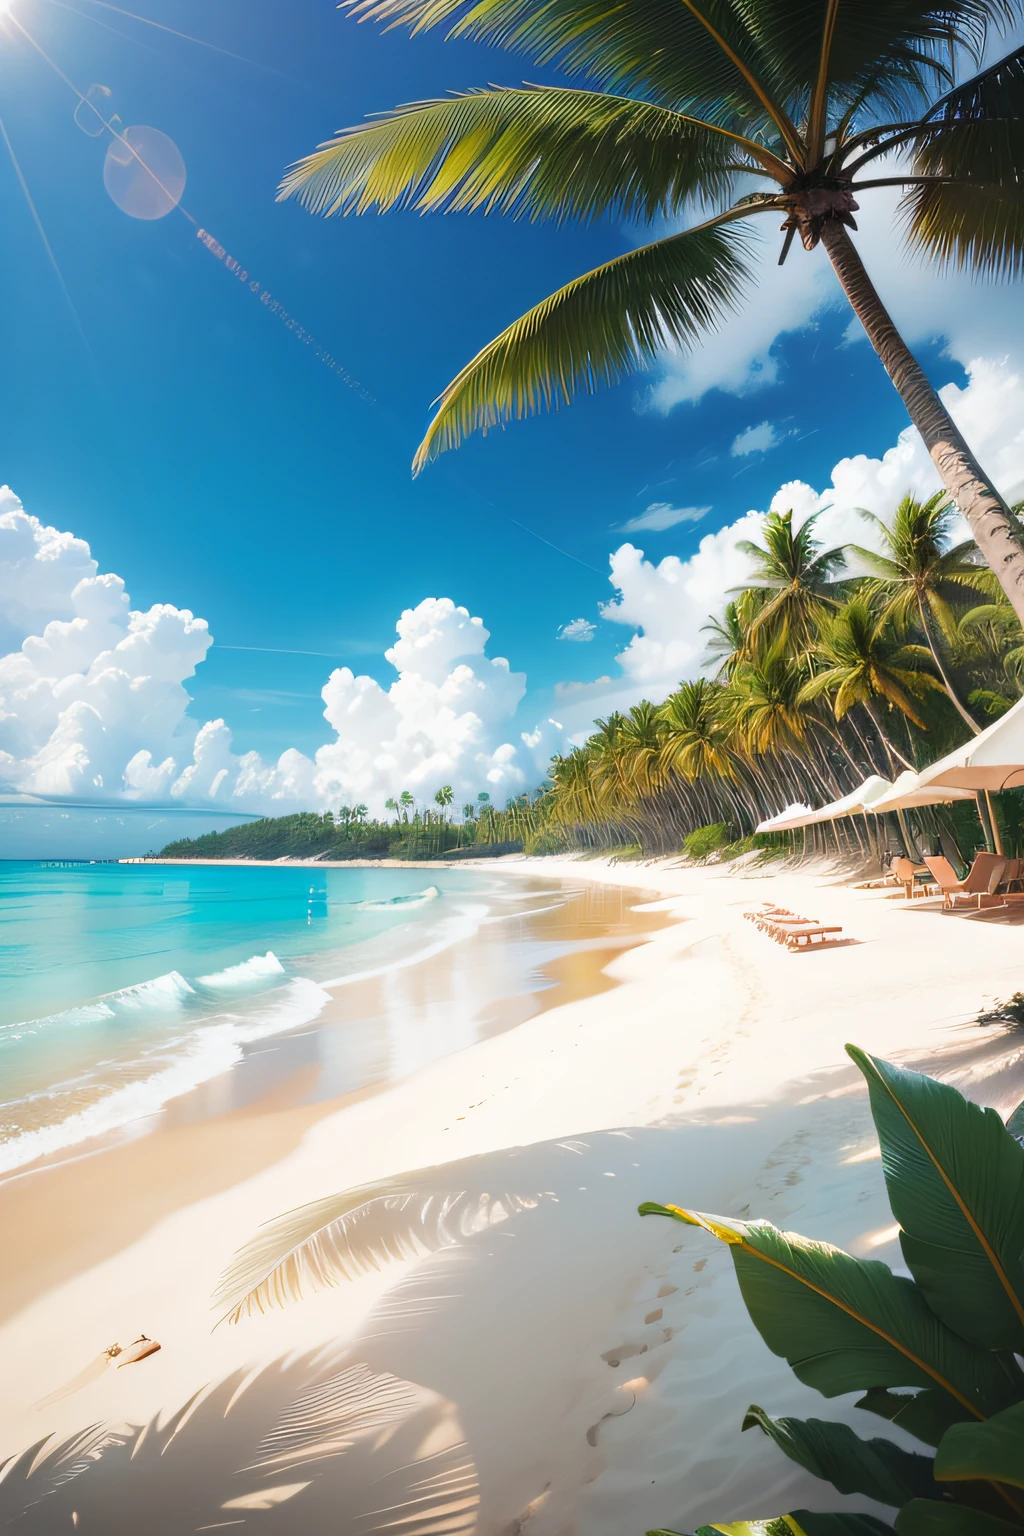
{"x": 681, "y": 101}
{"x": 920, "y": 565}
{"x": 864, "y": 660}
{"x": 795, "y": 573}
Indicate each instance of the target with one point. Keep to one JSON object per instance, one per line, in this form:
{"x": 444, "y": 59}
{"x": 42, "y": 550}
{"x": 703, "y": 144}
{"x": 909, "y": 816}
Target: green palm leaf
{"x": 994, "y": 1450}
{"x": 845, "y": 1323}
{"x": 592, "y": 330}
{"x": 923, "y": 1517}
{"x": 955, "y": 1178}
{"x": 536, "y": 151}
{"x": 876, "y": 1468}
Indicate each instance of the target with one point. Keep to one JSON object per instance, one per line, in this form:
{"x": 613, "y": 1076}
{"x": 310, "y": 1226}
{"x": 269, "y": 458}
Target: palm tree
{"x": 794, "y": 575}
{"x": 391, "y": 805}
{"x": 407, "y": 801}
{"x": 920, "y": 573}
{"x": 444, "y": 798}
{"x": 692, "y": 102}
{"x": 866, "y": 664}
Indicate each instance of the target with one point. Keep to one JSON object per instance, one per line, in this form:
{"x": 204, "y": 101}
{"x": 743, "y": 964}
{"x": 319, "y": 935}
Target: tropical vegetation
{"x": 938, "y": 1355}
{"x": 718, "y": 111}
{"x": 829, "y": 666}
{"x": 411, "y": 831}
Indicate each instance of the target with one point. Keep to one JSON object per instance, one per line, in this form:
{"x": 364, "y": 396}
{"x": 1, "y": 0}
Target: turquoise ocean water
{"x": 122, "y": 986}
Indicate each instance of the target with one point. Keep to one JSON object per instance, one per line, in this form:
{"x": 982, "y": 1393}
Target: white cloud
{"x": 759, "y": 439}
{"x": 93, "y": 703}
{"x": 579, "y": 630}
{"x": 927, "y": 304}
{"x": 661, "y": 515}
{"x": 668, "y": 603}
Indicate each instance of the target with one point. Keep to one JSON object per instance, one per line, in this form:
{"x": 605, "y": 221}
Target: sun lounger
{"x": 907, "y": 873}
{"x": 980, "y": 884}
{"x": 801, "y": 938}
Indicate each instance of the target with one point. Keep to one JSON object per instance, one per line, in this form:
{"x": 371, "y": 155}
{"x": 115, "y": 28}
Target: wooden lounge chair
{"x": 979, "y": 884}
{"x": 801, "y": 938}
{"x": 907, "y": 873}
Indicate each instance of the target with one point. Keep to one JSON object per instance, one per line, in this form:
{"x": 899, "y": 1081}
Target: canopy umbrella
{"x": 907, "y": 793}
{"x": 796, "y": 815}
{"x": 857, "y": 802}
{"x": 993, "y": 761}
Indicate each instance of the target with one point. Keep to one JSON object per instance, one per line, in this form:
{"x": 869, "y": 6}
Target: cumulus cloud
{"x": 661, "y": 515}
{"x": 578, "y": 629}
{"x": 759, "y": 439}
{"x": 93, "y": 704}
{"x": 927, "y": 304}
{"x": 667, "y": 603}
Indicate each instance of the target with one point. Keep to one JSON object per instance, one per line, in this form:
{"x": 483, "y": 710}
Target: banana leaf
{"x": 876, "y": 1468}
{"x": 847, "y": 1324}
{"x": 922, "y": 1517}
{"x": 994, "y": 1450}
{"x": 955, "y": 1177}
{"x": 801, "y": 1523}
{"x": 1015, "y": 1124}
{"x": 926, "y": 1415}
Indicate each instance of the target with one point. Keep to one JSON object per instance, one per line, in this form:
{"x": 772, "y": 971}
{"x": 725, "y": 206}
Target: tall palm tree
{"x": 794, "y": 574}
{"x": 864, "y": 662}
{"x": 694, "y": 103}
{"x": 920, "y": 573}
{"x": 406, "y": 800}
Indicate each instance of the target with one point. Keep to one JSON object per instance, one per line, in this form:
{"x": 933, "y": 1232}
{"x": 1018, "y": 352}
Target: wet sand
{"x": 66, "y": 1213}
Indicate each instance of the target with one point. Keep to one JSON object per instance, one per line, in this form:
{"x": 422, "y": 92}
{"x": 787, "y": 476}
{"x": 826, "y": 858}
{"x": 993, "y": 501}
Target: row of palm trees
{"x": 829, "y": 665}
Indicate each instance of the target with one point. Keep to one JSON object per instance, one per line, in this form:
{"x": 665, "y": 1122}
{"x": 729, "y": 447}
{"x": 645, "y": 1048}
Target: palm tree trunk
{"x": 998, "y": 533}
{"x": 951, "y": 691}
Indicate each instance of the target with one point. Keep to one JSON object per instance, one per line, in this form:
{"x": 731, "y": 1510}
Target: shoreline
{"x": 712, "y": 1074}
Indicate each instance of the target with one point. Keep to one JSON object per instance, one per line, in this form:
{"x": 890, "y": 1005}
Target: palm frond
{"x": 356, "y": 1231}
{"x": 591, "y": 331}
{"x": 663, "y": 50}
{"x": 536, "y": 151}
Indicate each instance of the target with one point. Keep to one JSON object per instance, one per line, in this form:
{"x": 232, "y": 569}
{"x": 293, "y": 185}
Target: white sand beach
{"x": 569, "y": 1369}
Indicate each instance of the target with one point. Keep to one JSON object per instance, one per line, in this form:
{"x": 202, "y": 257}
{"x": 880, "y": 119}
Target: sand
{"x": 571, "y": 1368}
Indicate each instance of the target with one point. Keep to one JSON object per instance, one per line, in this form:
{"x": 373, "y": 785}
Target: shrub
{"x": 936, "y": 1355}
{"x": 707, "y": 840}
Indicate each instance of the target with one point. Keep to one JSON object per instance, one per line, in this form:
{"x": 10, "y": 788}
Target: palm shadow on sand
{"x": 438, "y": 1417}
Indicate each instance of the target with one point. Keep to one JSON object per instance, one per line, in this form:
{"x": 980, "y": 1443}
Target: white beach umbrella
{"x": 796, "y": 815}
{"x": 908, "y": 793}
{"x": 857, "y": 802}
{"x": 993, "y": 761}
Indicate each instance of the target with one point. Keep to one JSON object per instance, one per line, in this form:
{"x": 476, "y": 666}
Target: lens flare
{"x": 144, "y": 173}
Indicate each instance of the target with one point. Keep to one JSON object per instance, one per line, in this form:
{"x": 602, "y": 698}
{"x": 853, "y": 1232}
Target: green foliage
{"x": 703, "y": 841}
{"x": 672, "y": 106}
{"x": 951, "y": 1334}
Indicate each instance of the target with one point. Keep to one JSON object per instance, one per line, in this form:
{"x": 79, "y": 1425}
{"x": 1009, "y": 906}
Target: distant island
{"x": 351, "y": 835}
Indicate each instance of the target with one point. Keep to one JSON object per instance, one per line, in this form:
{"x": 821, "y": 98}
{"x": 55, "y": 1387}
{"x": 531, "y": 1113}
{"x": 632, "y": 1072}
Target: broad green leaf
{"x": 926, "y": 1415}
{"x": 955, "y": 1178}
{"x": 1015, "y": 1124}
{"x": 803, "y": 1522}
{"x": 876, "y": 1468}
{"x": 923, "y": 1517}
{"x": 812, "y": 1524}
{"x": 846, "y": 1324}
{"x": 994, "y": 1450}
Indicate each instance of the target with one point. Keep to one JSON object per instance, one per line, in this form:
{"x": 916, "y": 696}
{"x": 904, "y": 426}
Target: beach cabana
{"x": 793, "y": 816}
{"x": 907, "y": 793}
{"x": 992, "y": 761}
{"x": 858, "y": 802}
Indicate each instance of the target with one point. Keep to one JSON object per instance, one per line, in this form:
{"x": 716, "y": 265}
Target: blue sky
{"x": 208, "y": 457}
